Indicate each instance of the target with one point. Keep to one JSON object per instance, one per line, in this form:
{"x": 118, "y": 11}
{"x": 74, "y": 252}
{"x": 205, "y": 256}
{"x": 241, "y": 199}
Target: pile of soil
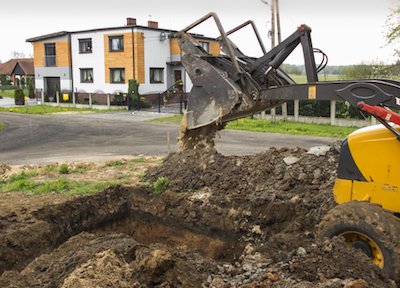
{"x": 225, "y": 221}
{"x": 279, "y": 196}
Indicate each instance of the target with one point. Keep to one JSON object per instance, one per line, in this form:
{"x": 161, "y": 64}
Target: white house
{"x": 103, "y": 60}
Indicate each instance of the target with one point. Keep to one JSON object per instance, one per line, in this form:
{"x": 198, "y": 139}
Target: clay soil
{"x": 247, "y": 221}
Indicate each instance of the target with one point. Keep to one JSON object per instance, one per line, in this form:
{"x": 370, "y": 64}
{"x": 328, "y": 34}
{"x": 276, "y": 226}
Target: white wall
{"x": 93, "y": 60}
{"x": 156, "y": 55}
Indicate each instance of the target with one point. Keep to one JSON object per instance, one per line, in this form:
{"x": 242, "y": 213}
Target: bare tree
{"x": 16, "y": 54}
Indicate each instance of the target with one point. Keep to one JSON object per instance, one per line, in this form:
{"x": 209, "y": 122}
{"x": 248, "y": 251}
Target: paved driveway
{"x": 32, "y": 139}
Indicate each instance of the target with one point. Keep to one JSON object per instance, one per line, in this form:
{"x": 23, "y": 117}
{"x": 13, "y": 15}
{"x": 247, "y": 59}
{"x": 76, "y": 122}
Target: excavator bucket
{"x": 213, "y": 95}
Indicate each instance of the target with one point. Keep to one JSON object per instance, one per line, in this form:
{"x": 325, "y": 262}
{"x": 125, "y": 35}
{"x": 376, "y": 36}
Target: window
{"x": 116, "y": 43}
{"x": 205, "y": 45}
{"x": 86, "y": 75}
{"x": 156, "y": 75}
{"x": 50, "y": 54}
{"x": 117, "y": 75}
{"x": 85, "y": 45}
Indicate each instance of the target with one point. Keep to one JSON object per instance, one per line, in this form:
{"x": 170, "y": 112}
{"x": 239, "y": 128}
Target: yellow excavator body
{"x": 373, "y": 153}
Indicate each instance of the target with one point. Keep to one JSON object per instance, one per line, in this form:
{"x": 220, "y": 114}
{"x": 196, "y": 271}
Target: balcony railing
{"x": 50, "y": 60}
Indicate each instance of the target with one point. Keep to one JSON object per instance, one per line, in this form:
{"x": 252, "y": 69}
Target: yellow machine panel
{"x": 376, "y": 152}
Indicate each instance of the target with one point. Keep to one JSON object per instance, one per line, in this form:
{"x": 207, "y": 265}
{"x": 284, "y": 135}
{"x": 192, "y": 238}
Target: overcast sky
{"x": 349, "y": 31}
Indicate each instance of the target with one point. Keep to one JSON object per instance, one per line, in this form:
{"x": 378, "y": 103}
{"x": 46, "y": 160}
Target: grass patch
{"x": 161, "y": 185}
{"x": 59, "y": 185}
{"x": 64, "y": 169}
{"x": 300, "y": 79}
{"x": 288, "y": 127}
{"x": 138, "y": 160}
{"x": 78, "y": 179}
{"x": 171, "y": 120}
{"x": 24, "y": 175}
{"x": 283, "y": 127}
{"x": 114, "y": 163}
{"x": 10, "y": 93}
{"x": 45, "y": 109}
{"x": 1, "y": 125}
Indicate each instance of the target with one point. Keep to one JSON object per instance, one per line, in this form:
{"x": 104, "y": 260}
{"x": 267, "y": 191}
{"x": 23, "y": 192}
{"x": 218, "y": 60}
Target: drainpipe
{"x": 70, "y": 65}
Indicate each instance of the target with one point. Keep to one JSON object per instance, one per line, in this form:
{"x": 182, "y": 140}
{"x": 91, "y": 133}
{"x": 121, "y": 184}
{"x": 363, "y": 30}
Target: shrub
{"x": 19, "y": 96}
{"x": 161, "y": 185}
{"x": 31, "y": 90}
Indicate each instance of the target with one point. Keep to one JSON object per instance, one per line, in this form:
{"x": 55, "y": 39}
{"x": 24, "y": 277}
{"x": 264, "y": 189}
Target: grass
{"x": 59, "y": 185}
{"x": 10, "y": 93}
{"x": 1, "y": 125}
{"x": 78, "y": 179}
{"x": 303, "y": 78}
{"x": 288, "y": 127}
{"x": 283, "y": 127}
{"x": 45, "y": 109}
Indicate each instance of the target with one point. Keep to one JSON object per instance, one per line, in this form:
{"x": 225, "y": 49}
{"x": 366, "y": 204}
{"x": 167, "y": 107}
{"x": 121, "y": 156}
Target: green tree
{"x": 393, "y": 28}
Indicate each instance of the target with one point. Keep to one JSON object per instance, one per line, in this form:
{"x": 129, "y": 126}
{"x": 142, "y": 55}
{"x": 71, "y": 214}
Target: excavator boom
{"x": 233, "y": 85}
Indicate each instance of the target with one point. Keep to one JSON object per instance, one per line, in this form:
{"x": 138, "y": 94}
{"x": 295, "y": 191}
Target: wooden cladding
{"x": 139, "y": 56}
{"x": 176, "y": 50}
{"x": 119, "y": 59}
{"x": 62, "y": 54}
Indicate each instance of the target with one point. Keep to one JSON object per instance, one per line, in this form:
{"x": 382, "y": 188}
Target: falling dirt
{"x": 247, "y": 221}
{"x": 200, "y": 138}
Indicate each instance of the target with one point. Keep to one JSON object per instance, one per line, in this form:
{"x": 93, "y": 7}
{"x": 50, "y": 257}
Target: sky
{"x": 348, "y": 31}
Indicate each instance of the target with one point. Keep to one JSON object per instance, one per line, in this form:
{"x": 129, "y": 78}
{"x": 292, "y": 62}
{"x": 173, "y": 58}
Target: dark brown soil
{"x": 224, "y": 222}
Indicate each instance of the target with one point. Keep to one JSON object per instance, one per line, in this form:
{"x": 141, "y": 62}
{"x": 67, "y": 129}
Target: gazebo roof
{"x": 25, "y": 66}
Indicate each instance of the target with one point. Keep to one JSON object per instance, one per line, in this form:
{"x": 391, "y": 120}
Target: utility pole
{"x": 272, "y": 24}
{"x": 278, "y": 27}
{"x": 278, "y": 21}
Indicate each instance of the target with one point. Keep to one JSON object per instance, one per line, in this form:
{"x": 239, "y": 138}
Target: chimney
{"x": 130, "y": 21}
{"x": 152, "y": 24}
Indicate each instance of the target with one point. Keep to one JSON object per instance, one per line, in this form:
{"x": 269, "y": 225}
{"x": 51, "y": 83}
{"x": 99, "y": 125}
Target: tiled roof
{"x": 47, "y": 36}
{"x": 26, "y": 65}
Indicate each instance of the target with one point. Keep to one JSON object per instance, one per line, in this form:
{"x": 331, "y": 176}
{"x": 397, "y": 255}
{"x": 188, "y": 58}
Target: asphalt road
{"x": 33, "y": 139}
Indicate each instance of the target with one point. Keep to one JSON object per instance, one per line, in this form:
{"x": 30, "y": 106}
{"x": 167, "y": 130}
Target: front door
{"x": 52, "y": 85}
{"x": 177, "y": 77}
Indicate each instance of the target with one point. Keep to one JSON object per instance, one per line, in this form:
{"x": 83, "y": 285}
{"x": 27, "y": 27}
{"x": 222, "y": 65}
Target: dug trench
{"x": 247, "y": 221}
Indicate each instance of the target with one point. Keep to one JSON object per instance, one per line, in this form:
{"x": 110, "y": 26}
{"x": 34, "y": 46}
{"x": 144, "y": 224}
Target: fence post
{"x": 58, "y": 97}
{"x": 333, "y": 112}
{"x": 181, "y": 104}
{"x": 73, "y": 99}
{"x": 108, "y": 101}
{"x": 296, "y": 110}
{"x": 42, "y": 95}
{"x": 159, "y": 103}
{"x": 273, "y": 114}
{"x": 128, "y": 101}
{"x": 90, "y": 100}
{"x": 284, "y": 111}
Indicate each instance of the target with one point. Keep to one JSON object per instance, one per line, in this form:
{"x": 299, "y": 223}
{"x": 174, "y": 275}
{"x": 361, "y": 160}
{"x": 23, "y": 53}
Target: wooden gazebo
{"x": 17, "y": 67}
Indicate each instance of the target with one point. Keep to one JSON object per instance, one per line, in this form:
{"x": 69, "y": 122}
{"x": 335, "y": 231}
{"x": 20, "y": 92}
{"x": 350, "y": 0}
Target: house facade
{"x": 102, "y": 61}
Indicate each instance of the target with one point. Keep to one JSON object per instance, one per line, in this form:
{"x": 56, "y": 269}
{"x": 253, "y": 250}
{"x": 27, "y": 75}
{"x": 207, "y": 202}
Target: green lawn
{"x": 284, "y": 127}
{"x": 44, "y": 109}
{"x": 303, "y": 78}
{"x": 10, "y": 93}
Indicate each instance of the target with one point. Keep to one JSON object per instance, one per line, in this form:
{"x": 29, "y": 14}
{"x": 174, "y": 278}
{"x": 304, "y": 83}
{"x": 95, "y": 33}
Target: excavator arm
{"x": 232, "y": 85}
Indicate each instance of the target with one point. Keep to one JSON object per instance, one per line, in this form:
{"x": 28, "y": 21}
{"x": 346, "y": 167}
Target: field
{"x": 284, "y": 127}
